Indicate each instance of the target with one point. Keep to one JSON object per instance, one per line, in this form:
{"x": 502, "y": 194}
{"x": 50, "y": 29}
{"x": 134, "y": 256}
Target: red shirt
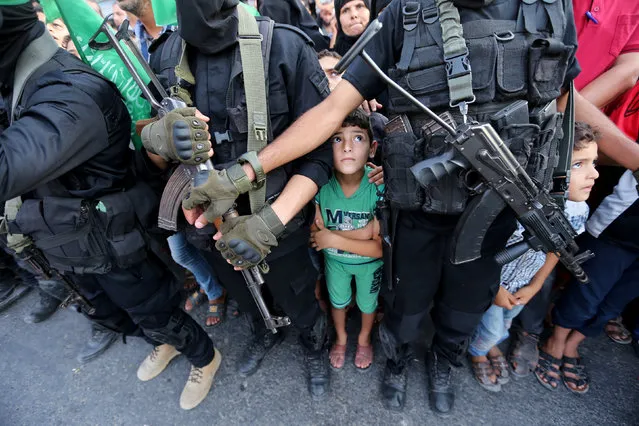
{"x": 625, "y": 113}
{"x": 600, "y": 44}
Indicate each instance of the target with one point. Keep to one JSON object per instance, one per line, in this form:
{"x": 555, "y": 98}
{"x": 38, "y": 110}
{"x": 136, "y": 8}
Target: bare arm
{"x": 621, "y": 77}
{"x": 295, "y": 195}
{"x": 371, "y": 247}
{"x": 314, "y": 127}
{"x": 614, "y": 144}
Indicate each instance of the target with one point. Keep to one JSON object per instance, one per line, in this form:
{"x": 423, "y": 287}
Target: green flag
{"x": 165, "y": 11}
{"x": 83, "y": 22}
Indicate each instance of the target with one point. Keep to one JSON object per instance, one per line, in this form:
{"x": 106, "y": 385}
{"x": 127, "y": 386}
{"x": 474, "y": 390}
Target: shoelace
{"x": 196, "y": 375}
{"x": 154, "y": 353}
{"x": 441, "y": 373}
{"x": 315, "y": 365}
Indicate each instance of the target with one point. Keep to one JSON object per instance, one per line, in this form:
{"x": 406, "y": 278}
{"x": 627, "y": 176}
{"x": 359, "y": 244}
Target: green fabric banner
{"x": 83, "y": 22}
{"x": 165, "y": 11}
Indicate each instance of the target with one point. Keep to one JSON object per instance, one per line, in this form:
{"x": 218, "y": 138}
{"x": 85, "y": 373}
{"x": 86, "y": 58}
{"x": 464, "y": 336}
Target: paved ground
{"x": 41, "y": 383}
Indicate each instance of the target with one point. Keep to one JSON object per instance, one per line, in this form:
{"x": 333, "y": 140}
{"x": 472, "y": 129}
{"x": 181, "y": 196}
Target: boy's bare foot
{"x": 484, "y": 373}
{"x": 337, "y": 355}
{"x": 217, "y": 311}
{"x": 196, "y": 298}
{"x": 550, "y": 355}
{"x": 364, "y": 356}
{"x": 499, "y": 364}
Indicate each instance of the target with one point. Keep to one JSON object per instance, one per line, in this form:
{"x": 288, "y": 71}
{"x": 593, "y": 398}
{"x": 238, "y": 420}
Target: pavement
{"x": 41, "y": 383}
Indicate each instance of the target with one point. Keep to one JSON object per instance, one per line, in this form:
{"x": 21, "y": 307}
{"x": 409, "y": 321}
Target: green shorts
{"x": 368, "y": 279}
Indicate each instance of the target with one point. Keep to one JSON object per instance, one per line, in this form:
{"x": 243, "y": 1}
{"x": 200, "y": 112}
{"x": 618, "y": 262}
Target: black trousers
{"x": 144, "y": 300}
{"x": 290, "y": 282}
{"x": 423, "y": 274}
{"x": 531, "y": 318}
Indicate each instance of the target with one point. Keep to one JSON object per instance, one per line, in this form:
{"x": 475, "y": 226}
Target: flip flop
{"x": 337, "y": 356}
{"x": 617, "y": 332}
{"x": 364, "y": 354}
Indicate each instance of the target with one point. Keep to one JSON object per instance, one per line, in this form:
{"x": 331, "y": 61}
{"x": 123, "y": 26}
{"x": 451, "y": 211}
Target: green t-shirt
{"x": 345, "y": 214}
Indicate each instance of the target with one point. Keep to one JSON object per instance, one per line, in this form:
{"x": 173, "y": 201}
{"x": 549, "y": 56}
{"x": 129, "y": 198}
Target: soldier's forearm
{"x": 311, "y": 130}
{"x": 296, "y": 194}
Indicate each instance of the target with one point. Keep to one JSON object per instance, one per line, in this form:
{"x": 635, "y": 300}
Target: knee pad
{"x": 174, "y": 333}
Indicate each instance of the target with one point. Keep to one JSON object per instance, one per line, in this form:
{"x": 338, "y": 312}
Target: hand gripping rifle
{"x": 180, "y": 182}
{"x": 477, "y": 149}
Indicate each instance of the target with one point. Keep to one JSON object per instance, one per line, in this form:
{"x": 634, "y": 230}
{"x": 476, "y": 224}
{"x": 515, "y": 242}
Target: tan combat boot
{"x": 199, "y": 383}
{"x": 156, "y": 361}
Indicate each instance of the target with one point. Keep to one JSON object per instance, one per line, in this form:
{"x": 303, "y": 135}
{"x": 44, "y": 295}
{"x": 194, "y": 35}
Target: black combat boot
{"x": 314, "y": 341}
{"x": 101, "y": 338}
{"x": 395, "y": 372}
{"x": 11, "y": 291}
{"x": 43, "y": 309}
{"x": 441, "y": 394}
{"x": 263, "y": 341}
{"x": 11, "y": 287}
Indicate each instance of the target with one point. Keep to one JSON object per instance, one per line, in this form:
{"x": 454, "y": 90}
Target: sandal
{"x": 217, "y": 310}
{"x": 581, "y": 378}
{"x": 189, "y": 282}
{"x": 500, "y": 368}
{"x": 363, "y": 355}
{"x": 617, "y": 332}
{"x": 196, "y": 298}
{"x": 524, "y": 355}
{"x": 545, "y": 366}
{"x": 233, "y": 306}
{"x": 337, "y": 355}
{"x": 482, "y": 370}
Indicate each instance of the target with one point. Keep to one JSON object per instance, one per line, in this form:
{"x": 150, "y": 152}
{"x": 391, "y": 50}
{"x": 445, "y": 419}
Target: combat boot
{"x": 11, "y": 292}
{"x": 199, "y": 383}
{"x": 100, "y": 340}
{"x": 43, "y": 309}
{"x": 396, "y": 371}
{"x": 262, "y": 343}
{"x": 156, "y": 362}
{"x": 314, "y": 341}
{"x": 441, "y": 394}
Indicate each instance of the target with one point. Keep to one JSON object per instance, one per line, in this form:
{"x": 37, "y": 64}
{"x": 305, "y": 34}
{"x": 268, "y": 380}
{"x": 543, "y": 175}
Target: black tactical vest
{"x": 519, "y": 57}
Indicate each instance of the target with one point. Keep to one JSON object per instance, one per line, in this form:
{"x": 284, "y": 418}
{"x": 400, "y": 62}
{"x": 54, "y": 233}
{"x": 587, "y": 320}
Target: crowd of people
{"x": 316, "y": 164}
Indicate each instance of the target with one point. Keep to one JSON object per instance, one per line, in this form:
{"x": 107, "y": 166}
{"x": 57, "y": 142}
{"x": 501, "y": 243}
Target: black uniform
{"x": 295, "y": 84}
{"x": 67, "y": 154}
{"x": 421, "y": 267}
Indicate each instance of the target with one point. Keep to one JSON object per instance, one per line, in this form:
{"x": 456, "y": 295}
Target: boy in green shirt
{"x": 347, "y": 231}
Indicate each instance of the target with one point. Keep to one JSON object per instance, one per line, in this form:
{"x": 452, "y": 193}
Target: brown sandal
{"x": 196, "y": 298}
{"x": 482, "y": 372}
{"x": 217, "y": 309}
{"x": 500, "y": 368}
{"x": 363, "y": 355}
{"x": 337, "y": 356}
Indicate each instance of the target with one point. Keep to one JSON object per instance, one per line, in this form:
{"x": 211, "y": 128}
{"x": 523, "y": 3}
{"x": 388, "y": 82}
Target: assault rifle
{"x": 179, "y": 183}
{"x": 36, "y": 260}
{"x": 477, "y": 150}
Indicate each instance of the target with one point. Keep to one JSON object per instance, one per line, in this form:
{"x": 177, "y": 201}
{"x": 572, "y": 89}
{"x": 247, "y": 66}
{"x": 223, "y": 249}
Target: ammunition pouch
{"x": 399, "y": 152}
{"x": 88, "y": 236}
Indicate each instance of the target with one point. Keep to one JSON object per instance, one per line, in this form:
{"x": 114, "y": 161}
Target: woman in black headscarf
{"x": 353, "y": 17}
{"x": 291, "y": 12}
